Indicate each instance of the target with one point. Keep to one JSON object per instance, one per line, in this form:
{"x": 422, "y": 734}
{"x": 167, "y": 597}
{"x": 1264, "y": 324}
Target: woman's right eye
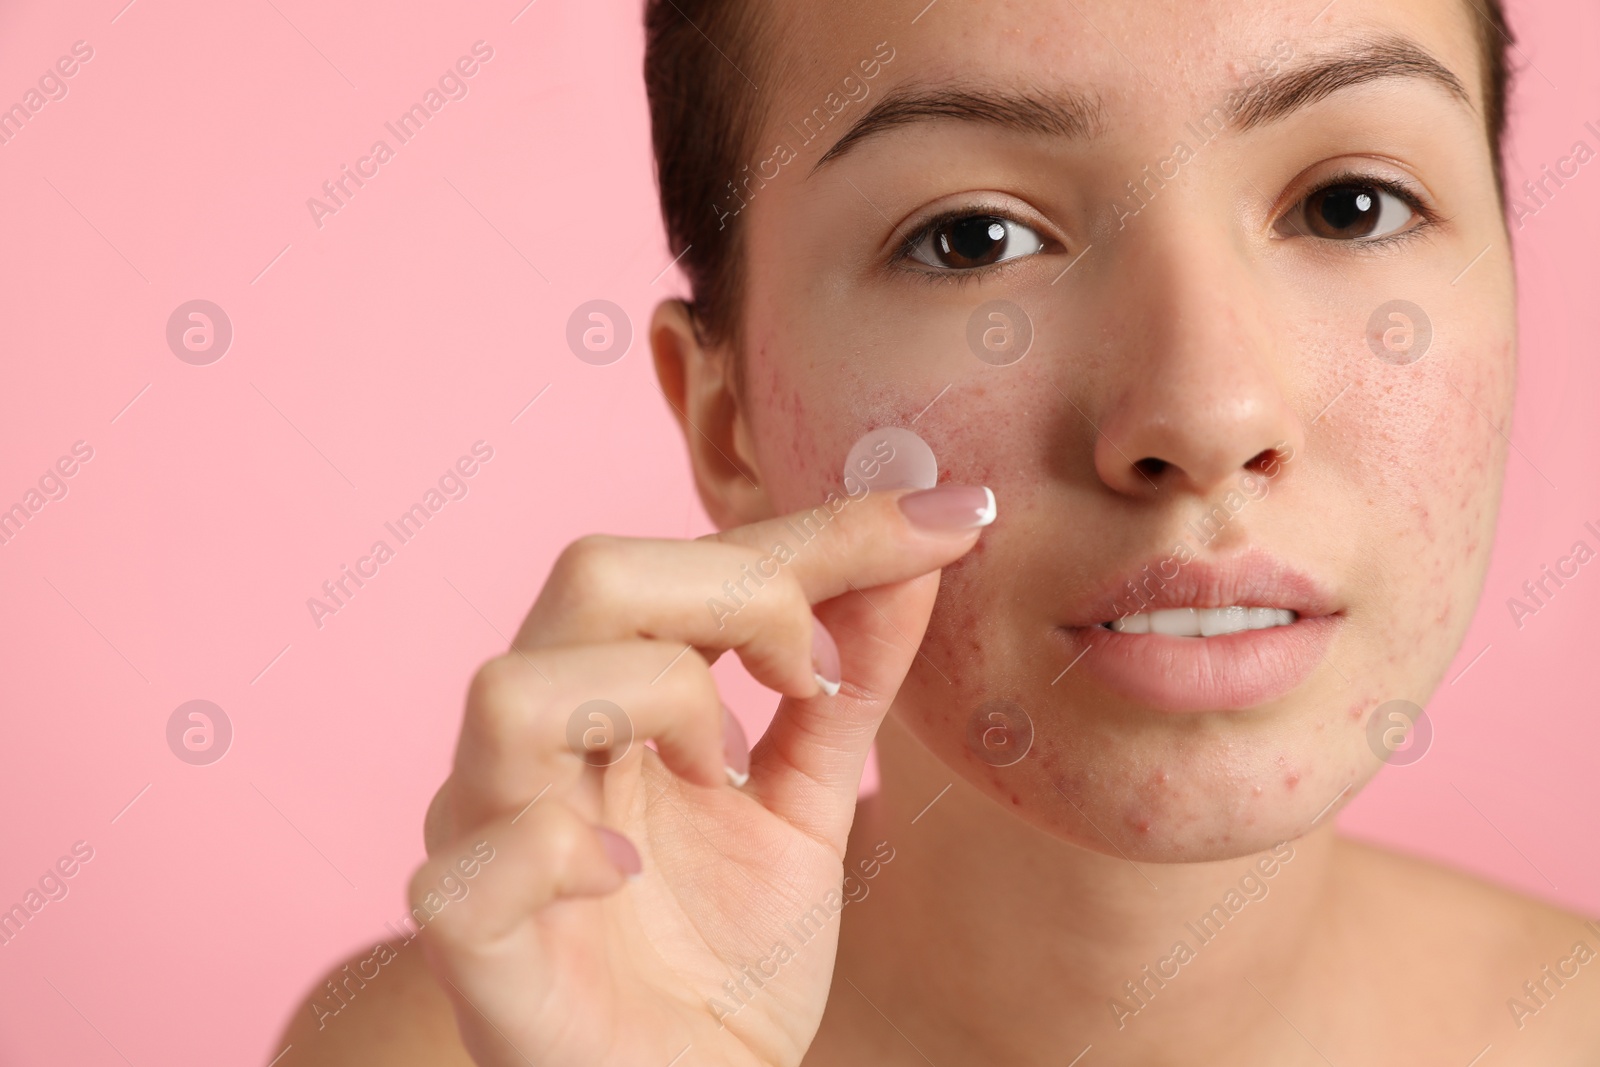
{"x": 965, "y": 242}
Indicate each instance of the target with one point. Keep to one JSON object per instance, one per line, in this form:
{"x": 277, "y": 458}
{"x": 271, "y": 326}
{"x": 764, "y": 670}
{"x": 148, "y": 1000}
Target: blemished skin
{"x": 1202, "y": 342}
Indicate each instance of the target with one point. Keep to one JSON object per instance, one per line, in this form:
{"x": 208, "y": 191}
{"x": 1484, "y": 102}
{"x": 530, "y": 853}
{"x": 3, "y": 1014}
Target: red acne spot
{"x": 1140, "y": 825}
{"x": 1015, "y": 799}
{"x": 1291, "y": 781}
{"x": 1355, "y": 711}
{"x": 1255, "y": 790}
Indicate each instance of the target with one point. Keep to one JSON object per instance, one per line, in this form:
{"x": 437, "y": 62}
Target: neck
{"x": 999, "y": 942}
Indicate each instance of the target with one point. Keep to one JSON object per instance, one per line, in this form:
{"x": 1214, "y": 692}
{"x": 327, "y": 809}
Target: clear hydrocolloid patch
{"x": 890, "y": 457}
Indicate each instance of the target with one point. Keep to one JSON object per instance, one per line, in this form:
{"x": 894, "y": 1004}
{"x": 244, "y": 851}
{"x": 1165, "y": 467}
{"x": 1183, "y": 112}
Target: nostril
{"x": 1151, "y": 467}
{"x": 1265, "y": 462}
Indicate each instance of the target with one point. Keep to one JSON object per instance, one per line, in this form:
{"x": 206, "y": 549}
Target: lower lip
{"x": 1225, "y": 673}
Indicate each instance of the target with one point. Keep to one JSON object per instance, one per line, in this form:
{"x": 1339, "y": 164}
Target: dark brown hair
{"x": 705, "y": 116}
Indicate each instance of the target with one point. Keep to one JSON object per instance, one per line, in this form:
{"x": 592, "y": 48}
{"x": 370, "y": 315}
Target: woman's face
{"x": 1204, "y": 241}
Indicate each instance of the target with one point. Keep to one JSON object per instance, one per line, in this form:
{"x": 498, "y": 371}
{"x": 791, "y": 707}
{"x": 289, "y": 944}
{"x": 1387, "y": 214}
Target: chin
{"x": 1146, "y": 785}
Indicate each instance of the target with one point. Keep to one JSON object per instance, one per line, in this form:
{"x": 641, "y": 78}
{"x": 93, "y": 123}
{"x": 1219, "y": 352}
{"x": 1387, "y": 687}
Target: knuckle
{"x": 500, "y": 690}
{"x": 559, "y": 838}
{"x": 423, "y": 879}
{"x": 796, "y": 605}
{"x": 793, "y": 619}
{"x": 588, "y": 571}
{"x": 690, "y": 683}
{"x": 436, "y": 822}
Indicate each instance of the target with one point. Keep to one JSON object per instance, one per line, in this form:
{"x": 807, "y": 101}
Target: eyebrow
{"x": 1075, "y": 115}
{"x": 1389, "y": 57}
{"x": 1061, "y": 113}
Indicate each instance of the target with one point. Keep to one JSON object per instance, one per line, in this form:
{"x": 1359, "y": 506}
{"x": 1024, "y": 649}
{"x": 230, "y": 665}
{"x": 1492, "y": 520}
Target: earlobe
{"x": 695, "y": 380}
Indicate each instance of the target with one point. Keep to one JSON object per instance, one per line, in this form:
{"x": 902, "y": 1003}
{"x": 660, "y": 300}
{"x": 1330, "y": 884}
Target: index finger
{"x": 871, "y": 538}
{"x": 749, "y": 588}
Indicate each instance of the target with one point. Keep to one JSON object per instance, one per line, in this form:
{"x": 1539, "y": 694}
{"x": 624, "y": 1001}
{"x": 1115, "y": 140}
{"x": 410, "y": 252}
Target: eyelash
{"x": 902, "y": 258}
{"x": 1426, "y": 216}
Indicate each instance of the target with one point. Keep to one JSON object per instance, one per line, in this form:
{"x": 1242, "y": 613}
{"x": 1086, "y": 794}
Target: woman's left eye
{"x": 968, "y": 241}
{"x": 1352, "y": 210}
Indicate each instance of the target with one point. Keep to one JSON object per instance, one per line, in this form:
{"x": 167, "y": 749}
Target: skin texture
{"x": 1193, "y": 335}
{"x": 1022, "y": 898}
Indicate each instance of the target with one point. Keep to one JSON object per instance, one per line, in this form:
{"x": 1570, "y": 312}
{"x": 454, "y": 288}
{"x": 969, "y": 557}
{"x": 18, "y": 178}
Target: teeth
{"x": 1177, "y": 622}
{"x": 1203, "y": 622}
{"x": 1214, "y": 621}
{"x": 1261, "y": 618}
{"x": 1133, "y": 624}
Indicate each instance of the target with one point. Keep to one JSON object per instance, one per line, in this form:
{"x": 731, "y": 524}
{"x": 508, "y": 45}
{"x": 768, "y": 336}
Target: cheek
{"x": 1423, "y": 457}
{"x": 1414, "y": 463}
{"x": 986, "y": 425}
{"x": 998, "y": 430}
{"x": 792, "y": 425}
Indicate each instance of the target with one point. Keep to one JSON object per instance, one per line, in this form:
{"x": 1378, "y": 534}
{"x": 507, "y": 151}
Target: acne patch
{"x": 890, "y": 457}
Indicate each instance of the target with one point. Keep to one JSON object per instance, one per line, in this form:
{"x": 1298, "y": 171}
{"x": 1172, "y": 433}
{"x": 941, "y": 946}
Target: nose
{"x": 1197, "y": 393}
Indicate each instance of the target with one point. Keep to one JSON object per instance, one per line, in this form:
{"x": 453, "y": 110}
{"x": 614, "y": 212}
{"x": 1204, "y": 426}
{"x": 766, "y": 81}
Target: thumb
{"x": 807, "y": 766}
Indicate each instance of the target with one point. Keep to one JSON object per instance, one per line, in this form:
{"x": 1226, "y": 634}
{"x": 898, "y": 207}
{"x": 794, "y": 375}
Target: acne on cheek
{"x": 1137, "y": 800}
{"x": 1205, "y": 783}
{"x": 806, "y": 418}
{"x": 792, "y": 436}
{"x": 1082, "y": 781}
{"x": 1419, "y": 459}
{"x": 779, "y": 416}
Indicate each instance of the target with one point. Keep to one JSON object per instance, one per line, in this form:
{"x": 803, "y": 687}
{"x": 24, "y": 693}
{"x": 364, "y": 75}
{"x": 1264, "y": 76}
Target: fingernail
{"x": 735, "y": 749}
{"x": 620, "y": 851}
{"x": 825, "y": 658}
{"x": 950, "y": 507}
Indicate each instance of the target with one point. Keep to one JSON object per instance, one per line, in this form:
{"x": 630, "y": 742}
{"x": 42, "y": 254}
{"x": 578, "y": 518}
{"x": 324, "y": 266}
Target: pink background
{"x": 367, "y": 356}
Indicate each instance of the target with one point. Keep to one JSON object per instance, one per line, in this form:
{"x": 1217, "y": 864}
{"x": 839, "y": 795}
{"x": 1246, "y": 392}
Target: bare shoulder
{"x": 1455, "y": 948}
{"x": 378, "y": 1011}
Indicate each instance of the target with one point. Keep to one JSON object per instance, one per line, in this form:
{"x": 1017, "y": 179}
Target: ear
{"x": 699, "y": 388}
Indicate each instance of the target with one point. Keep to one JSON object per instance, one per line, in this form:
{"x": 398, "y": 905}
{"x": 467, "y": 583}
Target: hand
{"x": 555, "y": 956}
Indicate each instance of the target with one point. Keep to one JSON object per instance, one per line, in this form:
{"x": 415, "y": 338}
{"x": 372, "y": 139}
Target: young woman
{"x": 1207, "y": 312}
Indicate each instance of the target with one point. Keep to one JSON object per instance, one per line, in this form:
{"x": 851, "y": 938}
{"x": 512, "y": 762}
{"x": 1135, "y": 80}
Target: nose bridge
{"x": 1197, "y": 389}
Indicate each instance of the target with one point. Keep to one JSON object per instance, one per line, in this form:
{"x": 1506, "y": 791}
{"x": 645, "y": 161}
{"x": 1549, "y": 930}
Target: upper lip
{"x": 1251, "y": 578}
